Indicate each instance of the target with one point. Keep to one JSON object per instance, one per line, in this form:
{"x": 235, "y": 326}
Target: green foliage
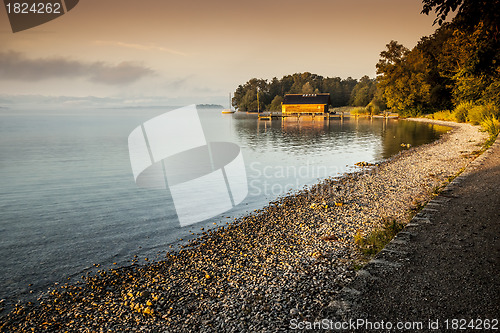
{"x": 479, "y": 113}
{"x": 462, "y": 110}
{"x": 470, "y": 61}
{"x": 443, "y": 115}
{"x": 245, "y": 96}
{"x": 457, "y": 64}
{"x": 413, "y": 112}
{"x": 374, "y": 242}
{"x": 486, "y": 115}
{"x": 363, "y": 92}
{"x": 469, "y": 13}
{"x": 359, "y": 111}
{"x": 491, "y": 125}
{"x": 492, "y": 93}
{"x": 276, "y": 103}
{"x": 475, "y": 114}
{"x": 373, "y": 108}
{"x": 307, "y": 88}
{"x": 378, "y": 100}
{"x": 403, "y": 79}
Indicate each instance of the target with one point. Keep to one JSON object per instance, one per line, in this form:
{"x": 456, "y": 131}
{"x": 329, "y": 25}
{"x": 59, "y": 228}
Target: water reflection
{"x": 307, "y": 135}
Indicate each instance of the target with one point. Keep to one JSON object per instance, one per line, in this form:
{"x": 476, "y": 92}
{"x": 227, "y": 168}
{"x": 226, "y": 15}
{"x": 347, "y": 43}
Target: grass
{"x": 436, "y": 190}
{"x": 489, "y": 142}
{"x": 357, "y": 111}
{"x": 442, "y": 115}
{"x": 375, "y": 241}
{"x": 486, "y": 115}
{"x": 358, "y": 264}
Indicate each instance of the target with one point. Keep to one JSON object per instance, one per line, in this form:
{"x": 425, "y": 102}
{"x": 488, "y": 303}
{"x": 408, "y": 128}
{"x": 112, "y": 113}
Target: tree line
{"x": 457, "y": 64}
{"x": 271, "y": 93}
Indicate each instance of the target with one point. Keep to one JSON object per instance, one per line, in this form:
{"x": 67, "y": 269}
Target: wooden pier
{"x": 269, "y": 115}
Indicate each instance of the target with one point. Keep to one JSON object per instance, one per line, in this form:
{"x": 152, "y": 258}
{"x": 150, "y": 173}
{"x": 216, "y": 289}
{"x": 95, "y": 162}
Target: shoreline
{"x": 285, "y": 261}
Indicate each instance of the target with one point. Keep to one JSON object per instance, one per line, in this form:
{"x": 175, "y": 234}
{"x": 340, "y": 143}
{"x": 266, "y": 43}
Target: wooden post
{"x": 258, "y": 106}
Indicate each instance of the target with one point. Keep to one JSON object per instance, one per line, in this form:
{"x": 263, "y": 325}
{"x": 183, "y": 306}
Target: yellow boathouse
{"x": 302, "y": 104}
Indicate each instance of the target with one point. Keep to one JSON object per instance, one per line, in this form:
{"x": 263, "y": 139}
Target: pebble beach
{"x": 286, "y": 261}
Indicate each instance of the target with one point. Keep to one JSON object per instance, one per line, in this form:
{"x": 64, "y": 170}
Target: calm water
{"x": 68, "y": 199}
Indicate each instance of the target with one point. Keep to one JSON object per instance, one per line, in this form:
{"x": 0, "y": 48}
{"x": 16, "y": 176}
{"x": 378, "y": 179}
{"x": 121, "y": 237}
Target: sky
{"x": 163, "y": 52}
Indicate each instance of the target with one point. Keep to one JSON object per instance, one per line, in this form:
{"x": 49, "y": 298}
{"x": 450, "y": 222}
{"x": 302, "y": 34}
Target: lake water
{"x": 68, "y": 198}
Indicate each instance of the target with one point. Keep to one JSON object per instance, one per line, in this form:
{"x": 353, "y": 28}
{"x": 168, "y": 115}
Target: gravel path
{"x": 443, "y": 272}
{"x": 284, "y": 262}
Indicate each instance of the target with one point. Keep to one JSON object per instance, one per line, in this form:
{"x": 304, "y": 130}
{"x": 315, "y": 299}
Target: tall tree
{"x": 363, "y": 92}
{"x": 403, "y": 78}
{"x": 474, "y": 47}
{"x": 276, "y": 103}
{"x": 469, "y": 13}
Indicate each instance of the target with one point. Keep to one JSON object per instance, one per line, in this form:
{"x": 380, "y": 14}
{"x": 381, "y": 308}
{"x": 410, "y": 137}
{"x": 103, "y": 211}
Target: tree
{"x": 307, "y": 88}
{"x": 456, "y": 64}
{"x": 471, "y": 65}
{"x": 276, "y": 103}
{"x": 474, "y": 48}
{"x": 363, "y": 92}
{"x": 271, "y": 93}
{"x": 249, "y": 101}
{"x": 469, "y": 13}
{"x": 403, "y": 78}
{"x": 245, "y": 96}
{"x": 333, "y": 86}
{"x": 432, "y": 48}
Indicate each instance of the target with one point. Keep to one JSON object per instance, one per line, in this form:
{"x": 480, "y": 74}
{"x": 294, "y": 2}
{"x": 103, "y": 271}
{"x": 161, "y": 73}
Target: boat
{"x": 228, "y": 111}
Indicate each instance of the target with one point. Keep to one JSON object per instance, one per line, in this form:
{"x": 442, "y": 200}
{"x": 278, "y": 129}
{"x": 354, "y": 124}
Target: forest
{"x": 453, "y": 74}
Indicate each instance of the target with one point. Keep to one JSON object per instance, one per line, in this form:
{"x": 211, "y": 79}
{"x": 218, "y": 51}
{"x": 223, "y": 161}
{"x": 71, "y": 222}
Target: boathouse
{"x": 305, "y": 104}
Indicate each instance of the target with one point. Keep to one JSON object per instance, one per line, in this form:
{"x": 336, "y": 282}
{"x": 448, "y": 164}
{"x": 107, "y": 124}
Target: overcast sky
{"x": 197, "y": 51}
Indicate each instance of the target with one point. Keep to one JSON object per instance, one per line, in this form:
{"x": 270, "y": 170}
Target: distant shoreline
{"x": 285, "y": 261}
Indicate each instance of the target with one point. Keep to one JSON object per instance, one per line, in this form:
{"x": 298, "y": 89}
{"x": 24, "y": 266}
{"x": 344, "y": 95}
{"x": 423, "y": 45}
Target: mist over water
{"x": 68, "y": 199}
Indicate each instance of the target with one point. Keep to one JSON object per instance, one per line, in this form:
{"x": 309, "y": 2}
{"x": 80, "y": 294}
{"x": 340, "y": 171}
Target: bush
{"x": 479, "y": 113}
{"x": 462, "y": 110}
{"x": 359, "y": 111}
{"x": 491, "y": 125}
{"x": 373, "y": 108}
{"x": 443, "y": 115}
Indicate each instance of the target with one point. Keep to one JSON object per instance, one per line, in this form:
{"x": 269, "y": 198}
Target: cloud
{"x": 150, "y": 47}
{"x": 178, "y": 83}
{"x": 41, "y": 101}
{"x": 124, "y": 72}
{"x": 16, "y": 66}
